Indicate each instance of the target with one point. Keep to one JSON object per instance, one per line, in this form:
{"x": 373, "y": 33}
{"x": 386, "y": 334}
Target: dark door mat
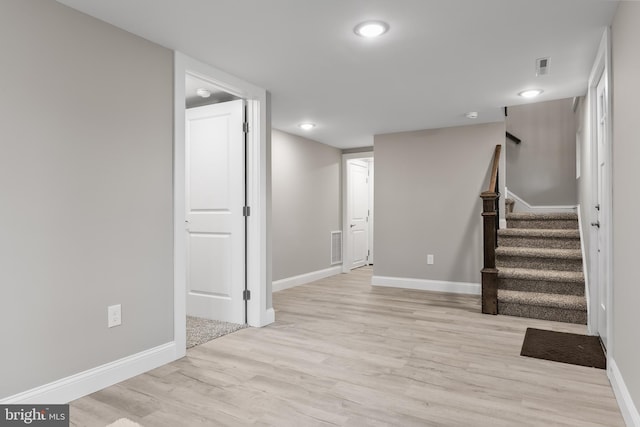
{"x": 575, "y": 349}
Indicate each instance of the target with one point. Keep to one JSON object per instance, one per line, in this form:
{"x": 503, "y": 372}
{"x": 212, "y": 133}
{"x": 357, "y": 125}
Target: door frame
{"x": 259, "y": 309}
{"x": 346, "y": 241}
{"x": 602, "y": 66}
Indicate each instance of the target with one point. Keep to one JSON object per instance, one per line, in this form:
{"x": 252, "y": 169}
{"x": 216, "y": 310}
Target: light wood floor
{"x": 344, "y": 353}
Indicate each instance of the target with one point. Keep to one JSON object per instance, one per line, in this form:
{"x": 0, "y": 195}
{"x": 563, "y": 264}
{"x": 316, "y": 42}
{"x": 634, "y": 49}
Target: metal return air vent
{"x": 542, "y": 66}
{"x": 336, "y": 247}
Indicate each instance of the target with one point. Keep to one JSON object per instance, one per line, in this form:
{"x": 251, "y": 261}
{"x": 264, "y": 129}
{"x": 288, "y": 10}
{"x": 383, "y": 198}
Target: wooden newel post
{"x": 489, "y": 272}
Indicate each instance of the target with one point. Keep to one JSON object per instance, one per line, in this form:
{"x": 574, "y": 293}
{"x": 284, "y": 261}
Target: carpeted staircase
{"x": 539, "y": 265}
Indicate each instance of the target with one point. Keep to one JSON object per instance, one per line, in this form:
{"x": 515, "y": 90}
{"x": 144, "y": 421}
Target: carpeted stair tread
{"x": 506, "y": 251}
{"x": 559, "y": 301}
{"x": 552, "y": 216}
{"x": 546, "y": 275}
{"x": 555, "y": 233}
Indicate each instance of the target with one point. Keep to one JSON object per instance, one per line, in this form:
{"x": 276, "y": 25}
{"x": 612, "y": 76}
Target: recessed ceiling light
{"x": 371, "y": 28}
{"x": 471, "y": 115}
{"x": 204, "y": 93}
{"x": 531, "y": 93}
{"x": 306, "y": 126}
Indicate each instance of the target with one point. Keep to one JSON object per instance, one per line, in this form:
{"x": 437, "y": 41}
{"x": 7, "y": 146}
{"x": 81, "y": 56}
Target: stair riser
{"x": 556, "y": 224}
{"x": 539, "y": 263}
{"x": 565, "y": 288}
{"x": 539, "y": 242}
{"x": 545, "y": 313}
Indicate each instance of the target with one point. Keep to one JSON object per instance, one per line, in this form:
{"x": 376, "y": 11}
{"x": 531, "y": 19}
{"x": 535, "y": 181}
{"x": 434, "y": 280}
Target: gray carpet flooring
{"x": 539, "y": 263}
{"x": 200, "y": 331}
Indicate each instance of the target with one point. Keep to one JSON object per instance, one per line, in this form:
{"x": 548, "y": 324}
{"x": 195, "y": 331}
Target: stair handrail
{"x": 490, "y": 226}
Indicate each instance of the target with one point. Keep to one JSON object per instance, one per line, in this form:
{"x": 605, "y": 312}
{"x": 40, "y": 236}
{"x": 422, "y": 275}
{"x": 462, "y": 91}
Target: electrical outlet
{"x": 114, "y": 315}
{"x": 430, "y": 259}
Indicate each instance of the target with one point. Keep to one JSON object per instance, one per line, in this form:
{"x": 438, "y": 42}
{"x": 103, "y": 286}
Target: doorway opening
{"x": 358, "y": 210}
{"x": 215, "y": 211}
{"x": 206, "y": 209}
{"x": 599, "y": 213}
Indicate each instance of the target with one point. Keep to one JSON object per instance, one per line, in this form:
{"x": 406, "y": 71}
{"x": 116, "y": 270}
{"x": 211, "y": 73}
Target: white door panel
{"x": 215, "y": 159}
{"x": 359, "y": 211}
{"x": 602, "y": 203}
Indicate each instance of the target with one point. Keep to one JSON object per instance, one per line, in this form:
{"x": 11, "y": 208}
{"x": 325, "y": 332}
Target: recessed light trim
{"x": 530, "y": 93}
{"x": 203, "y": 93}
{"x": 471, "y": 115}
{"x": 370, "y": 29}
{"x": 307, "y": 126}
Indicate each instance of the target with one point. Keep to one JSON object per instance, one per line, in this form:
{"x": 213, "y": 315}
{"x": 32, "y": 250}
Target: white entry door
{"x": 602, "y": 213}
{"x": 358, "y": 212}
{"x": 215, "y": 198}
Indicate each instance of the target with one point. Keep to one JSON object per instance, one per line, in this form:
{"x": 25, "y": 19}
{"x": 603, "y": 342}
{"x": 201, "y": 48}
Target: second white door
{"x": 215, "y": 169}
{"x": 602, "y": 213}
{"x": 358, "y": 196}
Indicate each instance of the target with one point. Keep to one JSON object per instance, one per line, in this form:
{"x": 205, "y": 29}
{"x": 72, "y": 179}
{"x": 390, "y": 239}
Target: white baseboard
{"x": 301, "y": 279}
{"x": 427, "y": 285}
{"x": 75, "y": 386}
{"x": 503, "y": 224}
{"x": 269, "y": 317}
{"x": 522, "y": 206}
{"x": 627, "y": 407}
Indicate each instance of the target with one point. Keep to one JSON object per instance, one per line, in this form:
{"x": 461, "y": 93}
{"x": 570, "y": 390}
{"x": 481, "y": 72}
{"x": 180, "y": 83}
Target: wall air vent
{"x": 336, "y": 247}
{"x": 542, "y": 66}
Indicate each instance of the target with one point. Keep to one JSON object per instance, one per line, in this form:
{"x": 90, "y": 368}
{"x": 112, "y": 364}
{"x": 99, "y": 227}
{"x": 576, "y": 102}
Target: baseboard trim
{"x": 522, "y": 206}
{"x": 427, "y": 285}
{"x": 627, "y": 407}
{"x": 301, "y": 279}
{"x": 76, "y": 386}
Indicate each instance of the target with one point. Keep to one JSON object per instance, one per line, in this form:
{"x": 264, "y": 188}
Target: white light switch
{"x": 114, "y": 315}
{"x": 430, "y": 259}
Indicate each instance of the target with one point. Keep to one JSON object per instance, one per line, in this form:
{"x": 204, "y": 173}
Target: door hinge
{"x": 246, "y": 295}
{"x": 245, "y": 127}
{"x": 246, "y": 211}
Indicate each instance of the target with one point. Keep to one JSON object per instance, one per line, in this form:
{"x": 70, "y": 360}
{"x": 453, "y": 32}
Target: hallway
{"x": 344, "y": 353}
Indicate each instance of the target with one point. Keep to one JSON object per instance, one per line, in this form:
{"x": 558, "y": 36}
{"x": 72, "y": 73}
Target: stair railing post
{"x": 490, "y": 226}
{"x": 489, "y": 272}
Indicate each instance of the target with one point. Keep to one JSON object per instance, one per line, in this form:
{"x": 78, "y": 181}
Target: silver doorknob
{"x": 596, "y": 224}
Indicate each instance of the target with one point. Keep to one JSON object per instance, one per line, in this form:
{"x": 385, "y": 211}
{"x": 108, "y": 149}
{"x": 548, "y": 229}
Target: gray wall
{"x": 542, "y": 169}
{"x": 85, "y": 193}
{"x": 427, "y": 201}
{"x": 306, "y": 198}
{"x": 626, "y": 203}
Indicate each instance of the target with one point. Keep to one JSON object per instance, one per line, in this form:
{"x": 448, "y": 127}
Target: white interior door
{"x": 601, "y": 209}
{"x": 215, "y": 197}
{"x": 358, "y": 212}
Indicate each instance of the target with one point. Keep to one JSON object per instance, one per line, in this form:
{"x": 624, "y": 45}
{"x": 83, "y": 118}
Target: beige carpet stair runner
{"x": 540, "y": 268}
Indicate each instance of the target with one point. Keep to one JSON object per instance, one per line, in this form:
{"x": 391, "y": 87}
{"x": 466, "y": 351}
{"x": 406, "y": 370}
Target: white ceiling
{"x": 440, "y": 58}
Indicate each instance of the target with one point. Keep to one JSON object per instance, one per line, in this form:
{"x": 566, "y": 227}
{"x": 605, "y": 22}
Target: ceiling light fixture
{"x": 531, "y": 93}
{"x": 471, "y": 115}
{"x": 371, "y": 29}
{"x": 306, "y": 126}
{"x": 203, "y": 93}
